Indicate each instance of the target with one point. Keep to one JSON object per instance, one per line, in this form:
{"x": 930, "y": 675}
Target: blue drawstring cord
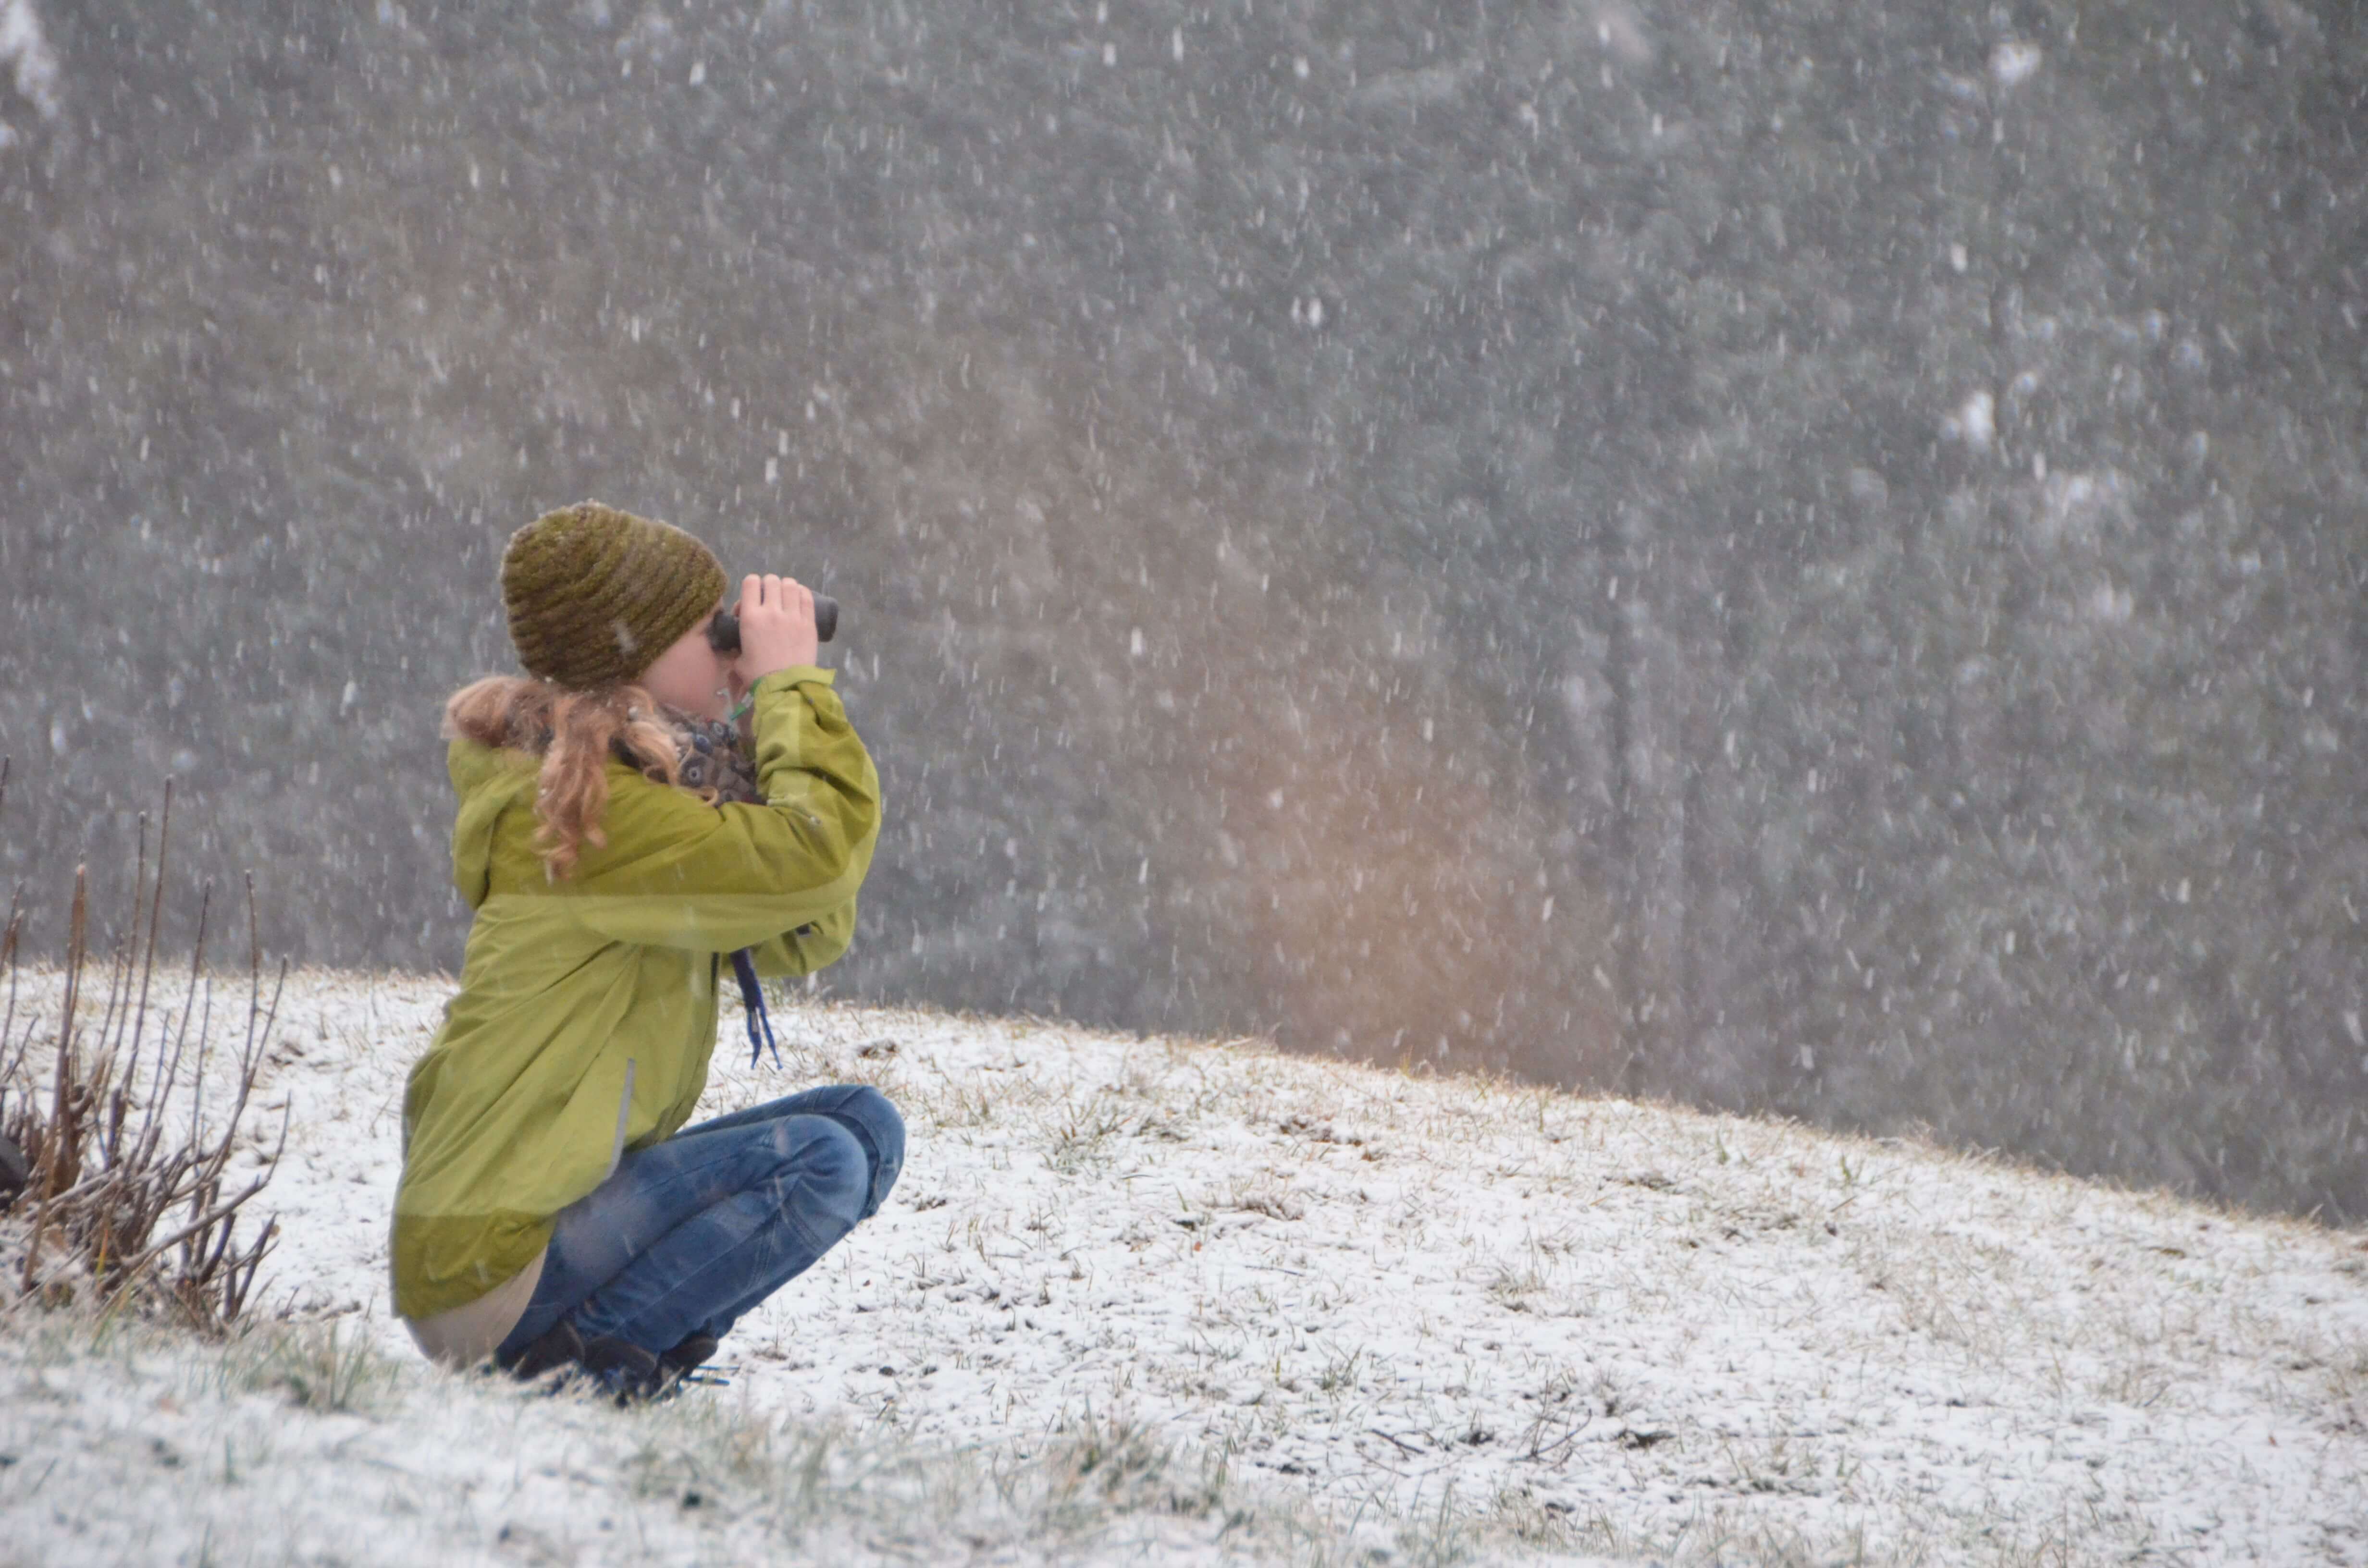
{"x": 744, "y": 966}
{"x": 752, "y": 997}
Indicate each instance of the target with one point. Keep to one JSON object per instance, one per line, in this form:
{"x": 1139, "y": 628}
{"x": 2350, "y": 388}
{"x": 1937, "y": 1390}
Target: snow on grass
{"x": 309, "y": 1445}
{"x": 1292, "y": 1310}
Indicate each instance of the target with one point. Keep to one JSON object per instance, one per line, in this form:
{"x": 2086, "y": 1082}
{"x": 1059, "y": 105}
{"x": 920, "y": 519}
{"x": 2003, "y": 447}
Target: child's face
{"x": 692, "y": 676}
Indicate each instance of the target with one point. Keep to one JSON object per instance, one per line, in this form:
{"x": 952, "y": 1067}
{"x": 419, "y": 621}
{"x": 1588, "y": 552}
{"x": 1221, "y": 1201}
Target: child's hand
{"x": 777, "y": 628}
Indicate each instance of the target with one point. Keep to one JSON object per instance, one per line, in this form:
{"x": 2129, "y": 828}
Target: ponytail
{"x": 574, "y": 733}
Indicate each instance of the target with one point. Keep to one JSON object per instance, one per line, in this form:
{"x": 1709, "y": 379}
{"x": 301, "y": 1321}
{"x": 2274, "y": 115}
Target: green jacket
{"x": 586, "y": 1009}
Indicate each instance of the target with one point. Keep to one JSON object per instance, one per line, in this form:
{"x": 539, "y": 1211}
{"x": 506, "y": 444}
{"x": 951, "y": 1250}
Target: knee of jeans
{"x": 870, "y": 1109}
{"x": 833, "y": 1171}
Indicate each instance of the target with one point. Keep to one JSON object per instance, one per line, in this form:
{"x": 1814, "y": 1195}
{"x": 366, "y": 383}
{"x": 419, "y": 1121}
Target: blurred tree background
{"x": 1786, "y": 555}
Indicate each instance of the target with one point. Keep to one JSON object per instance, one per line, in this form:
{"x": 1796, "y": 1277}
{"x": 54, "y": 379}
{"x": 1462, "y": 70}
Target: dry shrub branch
{"x": 122, "y": 1183}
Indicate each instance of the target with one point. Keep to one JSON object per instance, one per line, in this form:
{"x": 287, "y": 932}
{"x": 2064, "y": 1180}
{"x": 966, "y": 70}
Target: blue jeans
{"x": 688, "y": 1234}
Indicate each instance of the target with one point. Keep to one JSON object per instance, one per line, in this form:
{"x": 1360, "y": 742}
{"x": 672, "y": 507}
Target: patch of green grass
{"x": 326, "y": 1368}
{"x": 1081, "y": 1134}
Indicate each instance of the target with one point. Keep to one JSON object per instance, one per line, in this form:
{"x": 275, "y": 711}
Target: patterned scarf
{"x": 714, "y": 753}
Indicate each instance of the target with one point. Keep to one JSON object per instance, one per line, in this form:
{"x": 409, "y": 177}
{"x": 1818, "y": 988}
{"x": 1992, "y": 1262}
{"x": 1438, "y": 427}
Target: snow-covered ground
{"x": 1150, "y": 1299}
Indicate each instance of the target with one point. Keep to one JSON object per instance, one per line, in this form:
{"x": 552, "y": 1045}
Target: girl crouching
{"x": 622, "y": 829}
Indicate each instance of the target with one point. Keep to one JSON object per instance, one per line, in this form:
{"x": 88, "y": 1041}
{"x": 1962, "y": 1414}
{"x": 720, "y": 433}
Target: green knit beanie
{"x": 595, "y": 595}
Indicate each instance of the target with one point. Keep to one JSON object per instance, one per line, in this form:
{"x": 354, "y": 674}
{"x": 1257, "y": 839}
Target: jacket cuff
{"x": 796, "y": 675}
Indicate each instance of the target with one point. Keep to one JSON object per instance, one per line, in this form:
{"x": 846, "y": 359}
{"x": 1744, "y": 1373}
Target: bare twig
{"x": 105, "y": 1172}
{"x": 212, "y": 1217}
{"x": 155, "y": 910}
{"x": 57, "y": 1146}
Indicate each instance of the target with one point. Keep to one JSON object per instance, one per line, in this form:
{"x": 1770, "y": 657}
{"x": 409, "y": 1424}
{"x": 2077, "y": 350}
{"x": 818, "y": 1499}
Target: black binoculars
{"x": 723, "y": 631}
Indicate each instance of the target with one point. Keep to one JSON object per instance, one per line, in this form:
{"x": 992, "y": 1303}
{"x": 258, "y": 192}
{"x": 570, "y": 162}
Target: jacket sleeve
{"x": 677, "y": 872}
{"x": 810, "y": 947}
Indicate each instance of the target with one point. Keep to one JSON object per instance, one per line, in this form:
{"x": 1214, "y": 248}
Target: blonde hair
{"x": 574, "y": 733}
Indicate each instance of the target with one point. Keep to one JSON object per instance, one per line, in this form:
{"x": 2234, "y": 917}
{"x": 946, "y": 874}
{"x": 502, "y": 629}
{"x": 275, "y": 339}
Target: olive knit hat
{"x": 595, "y": 595}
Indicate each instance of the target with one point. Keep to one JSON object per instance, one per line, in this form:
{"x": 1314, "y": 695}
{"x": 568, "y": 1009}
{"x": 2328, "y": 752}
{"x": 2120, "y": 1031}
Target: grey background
{"x": 1457, "y": 535}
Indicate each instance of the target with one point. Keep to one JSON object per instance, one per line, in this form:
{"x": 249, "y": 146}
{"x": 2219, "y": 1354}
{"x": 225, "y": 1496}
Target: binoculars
{"x": 723, "y": 631}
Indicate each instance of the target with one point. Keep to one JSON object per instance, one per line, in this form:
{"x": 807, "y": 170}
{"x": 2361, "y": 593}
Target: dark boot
{"x": 690, "y": 1356}
{"x": 559, "y": 1348}
{"x": 623, "y": 1371}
